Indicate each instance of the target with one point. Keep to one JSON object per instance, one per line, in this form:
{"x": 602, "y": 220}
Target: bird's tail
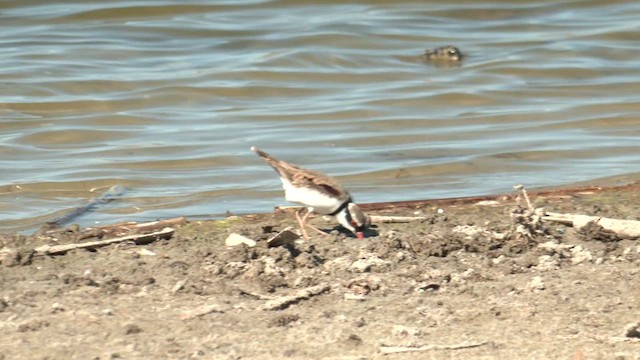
{"x": 262, "y": 153}
{"x": 277, "y": 165}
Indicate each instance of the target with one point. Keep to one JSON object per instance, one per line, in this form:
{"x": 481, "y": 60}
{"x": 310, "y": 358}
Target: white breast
{"x": 315, "y": 200}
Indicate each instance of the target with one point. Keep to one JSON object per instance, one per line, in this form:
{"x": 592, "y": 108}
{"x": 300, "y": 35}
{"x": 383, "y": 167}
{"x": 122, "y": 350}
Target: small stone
{"x": 354, "y": 340}
{"x": 536, "y": 284}
{"x": 405, "y": 331}
{"x": 580, "y": 255}
{"x": 3, "y": 305}
{"x": 237, "y": 239}
{"x": 9, "y": 257}
{"x": 360, "y": 266}
{"x": 284, "y": 237}
{"x": 632, "y": 330}
{"x": 130, "y": 329}
{"x": 145, "y": 252}
{"x": 57, "y": 308}
{"x": 351, "y": 296}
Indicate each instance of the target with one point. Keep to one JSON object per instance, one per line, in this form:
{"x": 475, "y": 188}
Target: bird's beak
{"x": 360, "y": 235}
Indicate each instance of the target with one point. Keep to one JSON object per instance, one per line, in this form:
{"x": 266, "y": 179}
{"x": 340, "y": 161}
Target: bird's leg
{"x": 301, "y": 223}
{"x": 304, "y": 219}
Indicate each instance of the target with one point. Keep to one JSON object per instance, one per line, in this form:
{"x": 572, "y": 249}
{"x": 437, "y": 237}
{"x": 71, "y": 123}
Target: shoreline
{"x": 481, "y": 278}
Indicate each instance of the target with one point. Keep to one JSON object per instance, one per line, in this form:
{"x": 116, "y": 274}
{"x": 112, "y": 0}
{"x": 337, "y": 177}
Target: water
{"x": 166, "y": 98}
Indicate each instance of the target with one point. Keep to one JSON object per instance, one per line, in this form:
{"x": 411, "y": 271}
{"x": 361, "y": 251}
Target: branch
{"x": 385, "y": 349}
{"x": 623, "y": 228}
{"x": 139, "y": 239}
{"x": 284, "y": 301}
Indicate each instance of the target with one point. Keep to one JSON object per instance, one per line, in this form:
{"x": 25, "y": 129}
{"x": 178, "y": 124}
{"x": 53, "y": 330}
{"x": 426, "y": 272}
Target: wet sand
{"x": 465, "y": 282}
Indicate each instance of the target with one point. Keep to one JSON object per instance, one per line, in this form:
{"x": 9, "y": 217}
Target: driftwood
{"x": 125, "y": 228}
{"x": 165, "y": 233}
{"x": 385, "y": 349}
{"x": 284, "y": 301}
{"x": 623, "y": 228}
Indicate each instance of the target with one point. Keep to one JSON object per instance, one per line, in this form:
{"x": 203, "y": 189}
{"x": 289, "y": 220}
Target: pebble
{"x": 580, "y": 255}
{"x": 130, "y": 329}
{"x": 145, "y": 252}
{"x": 361, "y": 266}
{"x": 536, "y": 284}
{"x": 237, "y": 239}
{"x": 284, "y": 237}
{"x": 632, "y": 330}
{"x": 351, "y": 296}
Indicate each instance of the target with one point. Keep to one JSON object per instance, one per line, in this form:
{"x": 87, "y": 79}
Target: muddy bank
{"x": 464, "y": 282}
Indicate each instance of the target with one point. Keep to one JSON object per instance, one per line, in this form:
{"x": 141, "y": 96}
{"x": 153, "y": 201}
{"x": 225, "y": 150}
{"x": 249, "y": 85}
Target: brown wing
{"x": 303, "y": 177}
{"x": 321, "y": 182}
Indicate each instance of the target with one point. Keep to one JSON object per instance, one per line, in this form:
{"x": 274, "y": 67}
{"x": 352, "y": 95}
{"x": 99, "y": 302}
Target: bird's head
{"x": 352, "y": 218}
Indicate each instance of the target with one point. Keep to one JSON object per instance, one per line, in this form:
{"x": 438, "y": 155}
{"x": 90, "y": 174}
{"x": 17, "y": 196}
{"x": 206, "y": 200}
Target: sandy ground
{"x": 462, "y": 283}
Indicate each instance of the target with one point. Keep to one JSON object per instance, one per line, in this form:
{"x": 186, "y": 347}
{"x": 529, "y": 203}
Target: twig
{"x": 284, "y": 301}
{"x": 395, "y": 219}
{"x": 384, "y": 349}
{"x": 202, "y": 310}
{"x": 255, "y": 295}
{"x": 179, "y": 285}
{"x": 521, "y": 188}
{"x": 165, "y": 233}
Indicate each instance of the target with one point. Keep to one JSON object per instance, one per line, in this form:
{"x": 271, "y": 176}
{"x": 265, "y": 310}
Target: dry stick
{"x": 623, "y": 228}
{"x": 401, "y": 349}
{"x": 179, "y": 285}
{"x": 525, "y": 195}
{"x": 138, "y": 239}
{"x": 202, "y": 310}
{"x": 255, "y": 295}
{"x": 284, "y": 301}
{"x": 395, "y": 219}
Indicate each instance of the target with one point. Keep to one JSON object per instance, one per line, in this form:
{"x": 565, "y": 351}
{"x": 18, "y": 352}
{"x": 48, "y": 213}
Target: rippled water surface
{"x": 166, "y": 97}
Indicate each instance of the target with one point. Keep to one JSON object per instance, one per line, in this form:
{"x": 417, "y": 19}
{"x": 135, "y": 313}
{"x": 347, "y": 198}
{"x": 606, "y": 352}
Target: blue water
{"x": 166, "y": 97}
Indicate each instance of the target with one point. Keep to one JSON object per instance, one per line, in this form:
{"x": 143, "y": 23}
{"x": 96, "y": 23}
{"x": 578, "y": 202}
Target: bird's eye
{"x": 354, "y": 224}
{"x": 452, "y": 52}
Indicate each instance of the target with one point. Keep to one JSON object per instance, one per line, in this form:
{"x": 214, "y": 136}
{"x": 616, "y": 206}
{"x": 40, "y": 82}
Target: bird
{"x": 321, "y": 194}
{"x": 445, "y": 53}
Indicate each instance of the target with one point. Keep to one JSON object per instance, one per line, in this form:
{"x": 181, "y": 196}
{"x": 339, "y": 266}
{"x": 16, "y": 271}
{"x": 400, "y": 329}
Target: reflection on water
{"x": 166, "y": 98}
